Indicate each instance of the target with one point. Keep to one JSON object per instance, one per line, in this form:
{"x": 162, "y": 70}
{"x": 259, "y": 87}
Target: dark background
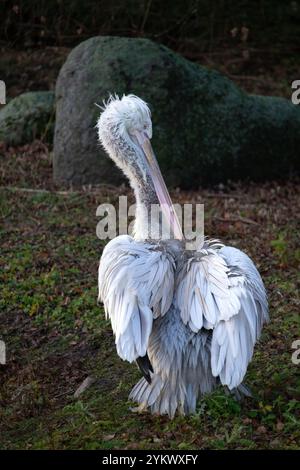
{"x": 184, "y": 25}
{"x": 255, "y": 43}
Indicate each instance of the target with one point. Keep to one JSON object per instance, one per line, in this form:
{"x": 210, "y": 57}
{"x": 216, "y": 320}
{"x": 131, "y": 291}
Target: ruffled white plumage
{"x": 136, "y": 285}
{"x": 233, "y": 340}
{"x": 218, "y": 289}
{"x": 221, "y": 290}
{"x": 197, "y": 315}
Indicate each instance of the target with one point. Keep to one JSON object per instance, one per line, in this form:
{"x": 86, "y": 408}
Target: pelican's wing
{"x": 136, "y": 284}
{"x": 221, "y": 290}
{"x": 233, "y": 340}
{"x": 203, "y": 293}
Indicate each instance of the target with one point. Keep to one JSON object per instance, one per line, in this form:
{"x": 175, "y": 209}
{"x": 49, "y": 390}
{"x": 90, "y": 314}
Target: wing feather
{"x": 136, "y": 284}
{"x": 234, "y": 338}
{"x": 220, "y": 289}
{"x": 203, "y": 293}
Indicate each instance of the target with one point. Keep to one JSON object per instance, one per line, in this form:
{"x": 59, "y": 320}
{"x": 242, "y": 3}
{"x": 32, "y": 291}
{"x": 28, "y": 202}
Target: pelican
{"x": 188, "y": 318}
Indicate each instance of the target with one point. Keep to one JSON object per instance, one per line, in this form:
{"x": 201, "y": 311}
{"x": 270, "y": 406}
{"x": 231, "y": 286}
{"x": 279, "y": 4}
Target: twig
{"x": 41, "y": 191}
{"x": 85, "y": 384}
{"x": 222, "y": 196}
{"x": 145, "y": 16}
{"x": 178, "y": 23}
{"x": 244, "y": 220}
{"x": 67, "y": 392}
{"x": 84, "y": 190}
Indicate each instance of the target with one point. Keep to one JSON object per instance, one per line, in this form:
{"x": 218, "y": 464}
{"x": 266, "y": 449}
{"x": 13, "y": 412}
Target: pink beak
{"x": 160, "y": 186}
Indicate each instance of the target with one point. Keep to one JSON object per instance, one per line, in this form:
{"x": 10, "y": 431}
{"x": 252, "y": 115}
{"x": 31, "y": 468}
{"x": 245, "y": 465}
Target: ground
{"x": 56, "y": 335}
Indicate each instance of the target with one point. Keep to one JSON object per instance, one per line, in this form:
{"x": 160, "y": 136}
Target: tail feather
{"x": 146, "y": 394}
{"x": 161, "y": 397}
{"x": 138, "y": 391}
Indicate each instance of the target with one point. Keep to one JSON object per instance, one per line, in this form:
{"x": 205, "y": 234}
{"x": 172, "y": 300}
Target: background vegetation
{"x": 254, "y": 42}
{"x": 182, "y": 24}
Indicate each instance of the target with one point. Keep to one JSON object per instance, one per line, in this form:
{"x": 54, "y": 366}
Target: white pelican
{"x": 189, "y": 319}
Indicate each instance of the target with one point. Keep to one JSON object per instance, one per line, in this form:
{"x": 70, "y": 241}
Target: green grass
{"x": 57, "y": 335}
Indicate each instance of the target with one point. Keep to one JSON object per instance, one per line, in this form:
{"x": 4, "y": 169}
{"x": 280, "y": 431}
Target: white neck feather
{"x": 130, "y": 161}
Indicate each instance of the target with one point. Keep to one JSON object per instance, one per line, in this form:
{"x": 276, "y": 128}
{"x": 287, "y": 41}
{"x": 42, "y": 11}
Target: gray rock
{"x": 27, "y": 117}
{"x": 206, "y": 130}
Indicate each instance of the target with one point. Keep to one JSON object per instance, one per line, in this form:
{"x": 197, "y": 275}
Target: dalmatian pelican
{"x": 189, "y": 318}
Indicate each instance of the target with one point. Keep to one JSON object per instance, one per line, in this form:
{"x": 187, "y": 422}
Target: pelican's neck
{"x": 146, "y": 205}
{"x": 130, "y": 160}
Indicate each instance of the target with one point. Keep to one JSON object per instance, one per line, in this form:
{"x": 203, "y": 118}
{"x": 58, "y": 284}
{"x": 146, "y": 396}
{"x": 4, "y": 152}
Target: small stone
{"x": 261, "y": 430}
{"x": 109, "y": 437}
{"x": 279, "y": 426}
{"x": 275, "y": 443}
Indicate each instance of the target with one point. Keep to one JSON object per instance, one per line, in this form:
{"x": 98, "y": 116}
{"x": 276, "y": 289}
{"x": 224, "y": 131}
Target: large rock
{"x": 206, "y": 129}
{"x": 27, "y": 117}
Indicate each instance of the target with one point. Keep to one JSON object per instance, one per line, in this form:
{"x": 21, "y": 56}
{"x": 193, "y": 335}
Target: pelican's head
{"x": 125, "y": 130}
{"x": 134, "y": 115}
{"x": 127, "y": 119}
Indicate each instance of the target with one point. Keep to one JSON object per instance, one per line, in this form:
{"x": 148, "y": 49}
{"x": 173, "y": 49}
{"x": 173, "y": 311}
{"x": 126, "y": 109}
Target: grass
{"x": 56, "y": 335}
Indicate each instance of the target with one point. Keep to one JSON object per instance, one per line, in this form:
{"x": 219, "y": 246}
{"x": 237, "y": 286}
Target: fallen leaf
{"x": 85, "y": 384}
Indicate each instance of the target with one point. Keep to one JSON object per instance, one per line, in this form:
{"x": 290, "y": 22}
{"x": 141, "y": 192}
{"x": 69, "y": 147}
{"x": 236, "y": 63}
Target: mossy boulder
{"x": 27, "y": 117}
{"x": 206, "y": 130}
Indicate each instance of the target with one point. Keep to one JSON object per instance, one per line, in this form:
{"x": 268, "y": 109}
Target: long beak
{"x": 160, "y": 186}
